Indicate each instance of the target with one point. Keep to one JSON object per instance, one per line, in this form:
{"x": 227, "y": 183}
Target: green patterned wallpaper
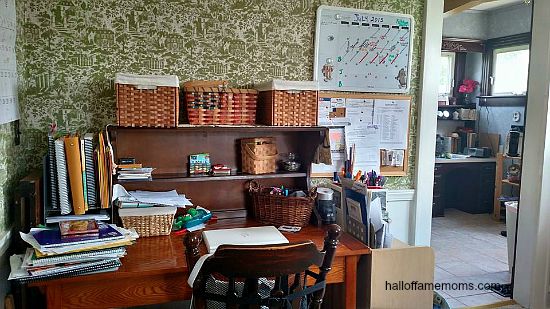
{"x": 69, "y": 50}
{"x": 11, "y": 169}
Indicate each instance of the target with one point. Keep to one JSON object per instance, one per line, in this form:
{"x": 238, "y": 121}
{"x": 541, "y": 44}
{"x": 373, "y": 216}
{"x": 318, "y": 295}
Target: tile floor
{"x": 469, "y": 249}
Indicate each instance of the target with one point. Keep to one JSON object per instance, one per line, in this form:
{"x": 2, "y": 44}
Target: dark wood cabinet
{"x": 466, "y": 186}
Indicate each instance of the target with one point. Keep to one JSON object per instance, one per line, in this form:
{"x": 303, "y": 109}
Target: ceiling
{"x": 497, "y": 4}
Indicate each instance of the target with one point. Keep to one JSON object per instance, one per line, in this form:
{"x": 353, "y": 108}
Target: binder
{"x": 52, "y": 174}
{"x": 91, "y": 188}
{"x": 74, "y": 168}
{"x": 83, "y": 166}
{"x": 62, "y": 177}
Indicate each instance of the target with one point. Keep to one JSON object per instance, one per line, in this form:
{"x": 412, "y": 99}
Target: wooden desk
{"x": 154, "y": 271}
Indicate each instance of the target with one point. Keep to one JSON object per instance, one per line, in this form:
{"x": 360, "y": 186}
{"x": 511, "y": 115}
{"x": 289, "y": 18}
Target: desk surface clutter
{"x": 155, "y": 271}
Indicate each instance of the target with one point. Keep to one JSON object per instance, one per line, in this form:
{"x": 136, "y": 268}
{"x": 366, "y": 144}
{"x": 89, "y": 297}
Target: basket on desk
{"x": 212, "y": 102}
{"x": 159, "y": 223}
{"x": 281, "y": 210}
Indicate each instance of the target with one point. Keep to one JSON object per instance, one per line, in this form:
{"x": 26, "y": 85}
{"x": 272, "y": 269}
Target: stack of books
{"x": 75, "y": 248}
{"x": 135, "y": 173}
{"x": 78, "y": 169}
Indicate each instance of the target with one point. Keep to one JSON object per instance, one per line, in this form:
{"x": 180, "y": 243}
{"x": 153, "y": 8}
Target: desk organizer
{"x": 288, "y": 103}
{"x": 280, "y": 210}
{"x": 259, "y": 155}
{"x": 214, "y": 103}
{"x": 151, "y": 221}
{"x": 147, "y": 100}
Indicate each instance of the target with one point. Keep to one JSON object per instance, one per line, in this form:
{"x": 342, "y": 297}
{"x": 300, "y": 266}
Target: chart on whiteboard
{"x": 359, "y": 50}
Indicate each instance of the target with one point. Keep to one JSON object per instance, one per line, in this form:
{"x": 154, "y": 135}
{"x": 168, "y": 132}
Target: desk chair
{"x": 271, "y": 276}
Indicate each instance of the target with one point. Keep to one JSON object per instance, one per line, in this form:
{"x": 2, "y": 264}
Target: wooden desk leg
{"x": 350, "y": 284}
{"x": 54, "y": 296}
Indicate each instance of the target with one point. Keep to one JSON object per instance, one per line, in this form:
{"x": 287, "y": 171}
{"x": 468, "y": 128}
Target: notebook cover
{"x": 52, "y": 238}
{"x": 62, "y": 177}
{"x": 78, "y": 227}
{"x": 74, "y": 168}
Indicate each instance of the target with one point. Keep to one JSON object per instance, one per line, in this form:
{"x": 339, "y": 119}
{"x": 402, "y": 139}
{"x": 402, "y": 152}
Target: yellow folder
{"x": 74, "y": 167}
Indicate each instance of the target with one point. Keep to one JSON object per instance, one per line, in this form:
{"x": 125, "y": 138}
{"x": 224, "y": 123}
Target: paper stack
{"x": 138, "y": 173}
{"x": 53, "y": 256}
{"x": 138, "y": 199}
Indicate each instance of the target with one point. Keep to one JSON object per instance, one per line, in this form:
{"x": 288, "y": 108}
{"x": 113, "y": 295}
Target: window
{"x": 446, "y": 74}
{"x": 510, "y": 70}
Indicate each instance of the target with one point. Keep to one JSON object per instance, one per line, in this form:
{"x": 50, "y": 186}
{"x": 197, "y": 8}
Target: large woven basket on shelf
{"x": 288, "y": 103}
{"x": 142, "y": 103}
{"x": 281, "y": 210}
{"x": 209, "y": 104}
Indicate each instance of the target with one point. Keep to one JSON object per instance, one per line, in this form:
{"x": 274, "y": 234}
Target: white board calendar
{"x": 360, "y": 50}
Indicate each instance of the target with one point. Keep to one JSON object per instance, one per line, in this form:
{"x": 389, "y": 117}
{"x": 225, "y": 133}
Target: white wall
{"x": 469, "y": 24}
{"x": 399, "y": 205}
{"x": 531, "y": 284}
{"x": 487, "y": 25}
{"x": 509, "y": 21}
{"x": 421, "y": 213}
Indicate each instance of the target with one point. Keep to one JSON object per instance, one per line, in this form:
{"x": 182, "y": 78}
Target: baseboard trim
{"x": 401, "y": 195}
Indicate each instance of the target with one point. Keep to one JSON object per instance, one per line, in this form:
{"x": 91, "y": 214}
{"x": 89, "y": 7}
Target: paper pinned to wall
{"x": 8, "y": 69}
{"x": 393, "y": 118}
{"x": 331, "y": 112}
{"x": 366, "y": 138}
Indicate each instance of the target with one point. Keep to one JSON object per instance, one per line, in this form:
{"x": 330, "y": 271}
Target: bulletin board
{"x": 341, "y": 111}
{"x": 361, "y": 50}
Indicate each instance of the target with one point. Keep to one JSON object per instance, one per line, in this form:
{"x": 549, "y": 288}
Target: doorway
{"x": 481, "y": 110}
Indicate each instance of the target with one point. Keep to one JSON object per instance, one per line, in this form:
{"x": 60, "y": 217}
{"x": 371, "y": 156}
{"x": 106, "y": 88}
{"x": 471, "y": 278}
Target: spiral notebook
{"x": 52, "y": 168}
{"x": 23, "y": 276}
{"x": 90, "y": 170}
{"x": 62, "y": 177}
{"x": 33, "y": 261}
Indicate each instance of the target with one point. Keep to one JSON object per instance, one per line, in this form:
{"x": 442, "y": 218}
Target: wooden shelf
{"x": 231, "y": 128}
{"x": 179, "y": 178}
{"x": 511, "y": 158}
{"x": 510, "y": 183}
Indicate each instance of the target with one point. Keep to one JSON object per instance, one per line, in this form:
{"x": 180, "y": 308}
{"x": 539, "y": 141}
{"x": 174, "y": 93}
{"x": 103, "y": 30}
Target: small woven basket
{"x": 281, "y": 210}
{"x": 149, "y": 225}
{"x": 259, "y": 155}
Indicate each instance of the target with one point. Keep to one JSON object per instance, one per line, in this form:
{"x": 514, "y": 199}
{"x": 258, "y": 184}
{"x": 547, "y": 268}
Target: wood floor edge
{"x": 493, "y": 305}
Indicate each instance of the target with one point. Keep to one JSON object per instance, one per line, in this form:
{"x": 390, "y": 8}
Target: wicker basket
{"x": 281, "y": 210}
{"x": 147, "y": 222}
{"x": 147, "y": 100}
{"x": 288, "y": 103}
{"x": 208, "y": 103}
{"x": 259, "y": 155}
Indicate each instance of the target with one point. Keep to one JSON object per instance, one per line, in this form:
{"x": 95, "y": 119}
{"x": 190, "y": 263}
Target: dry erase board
{"x": 340, "y": 111}
{"x": 360, "y": 50}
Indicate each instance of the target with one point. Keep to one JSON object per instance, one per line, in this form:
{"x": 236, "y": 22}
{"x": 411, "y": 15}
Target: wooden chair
{"x": 273, "y": 276}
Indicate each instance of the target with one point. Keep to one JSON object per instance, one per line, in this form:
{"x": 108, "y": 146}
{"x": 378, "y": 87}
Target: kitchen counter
{"x": 465, "y": 160}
